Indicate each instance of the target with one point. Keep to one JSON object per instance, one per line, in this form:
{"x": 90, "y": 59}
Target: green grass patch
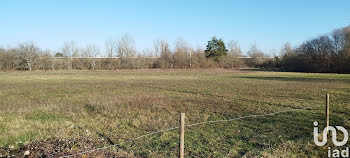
{"x": 44, "y": 116}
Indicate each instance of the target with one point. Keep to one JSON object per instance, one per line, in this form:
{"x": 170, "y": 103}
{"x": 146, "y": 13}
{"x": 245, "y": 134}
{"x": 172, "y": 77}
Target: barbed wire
{"x": 190, "y": 125}
{"x": 110, "y": 146}
{"x": 243, "y": 117}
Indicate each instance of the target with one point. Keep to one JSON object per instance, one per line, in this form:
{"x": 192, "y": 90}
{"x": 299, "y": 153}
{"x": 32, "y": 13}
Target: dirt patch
{"x": 60, "y": 148}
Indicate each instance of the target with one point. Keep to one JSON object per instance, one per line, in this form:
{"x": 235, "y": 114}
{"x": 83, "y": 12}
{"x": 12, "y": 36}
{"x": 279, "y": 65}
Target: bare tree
{"x": 90, "y": 53}
{"x": 126, "y": 50}
{"x": 8, "y": 59}
{"x": 167, "y": 60}
{"x": 111, "y": 46}
{"x": 69, "y": 49}
{"x": 28, "y": 54}
{"x": 126, "y": 47}
{"x": 234, "y": 49}
{"x": 233, "y": 55}
{"x": 198, "y": 58}
{"x": 156, "y": 47}
{"x": 181, "y": 54}
{"x": 148, "y": 58}
{"x": 256, "y": 55}
{"x": 161, "y": 49}
{"x": 286, "y": 49}
{"x": 45, "y": 61}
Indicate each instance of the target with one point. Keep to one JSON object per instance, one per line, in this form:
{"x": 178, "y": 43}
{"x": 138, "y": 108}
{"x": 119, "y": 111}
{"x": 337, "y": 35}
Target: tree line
{"x": 327, "y": 53}
{"x": 121, "y": 54}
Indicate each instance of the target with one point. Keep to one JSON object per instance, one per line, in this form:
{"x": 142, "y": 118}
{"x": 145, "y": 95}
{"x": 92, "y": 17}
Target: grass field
{"x": 64, "y": 112}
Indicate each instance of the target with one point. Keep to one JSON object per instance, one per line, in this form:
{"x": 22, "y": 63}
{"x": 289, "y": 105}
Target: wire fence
{"x": 189, "y": 125}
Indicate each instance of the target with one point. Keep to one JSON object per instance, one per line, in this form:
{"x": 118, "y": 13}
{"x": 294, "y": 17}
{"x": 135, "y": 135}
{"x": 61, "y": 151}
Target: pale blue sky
{"x": 268, "y": 23}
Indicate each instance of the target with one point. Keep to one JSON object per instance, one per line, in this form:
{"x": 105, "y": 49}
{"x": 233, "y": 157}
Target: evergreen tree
{"x": 215, "y": 48}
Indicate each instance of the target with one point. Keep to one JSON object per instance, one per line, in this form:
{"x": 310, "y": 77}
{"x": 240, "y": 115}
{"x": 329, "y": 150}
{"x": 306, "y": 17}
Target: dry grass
{"x": 109, "y": 107}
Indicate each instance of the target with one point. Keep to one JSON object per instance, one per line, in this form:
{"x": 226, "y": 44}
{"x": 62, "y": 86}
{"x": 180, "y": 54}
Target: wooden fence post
{"x": 182, "y": 135}
{"x": 327, "y": 111}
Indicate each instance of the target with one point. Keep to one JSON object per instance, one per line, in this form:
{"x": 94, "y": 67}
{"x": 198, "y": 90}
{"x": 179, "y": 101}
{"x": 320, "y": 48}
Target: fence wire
{"x": 190, "y": 125}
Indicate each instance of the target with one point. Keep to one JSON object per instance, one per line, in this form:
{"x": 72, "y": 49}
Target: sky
{"x": 267, "y": 23}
